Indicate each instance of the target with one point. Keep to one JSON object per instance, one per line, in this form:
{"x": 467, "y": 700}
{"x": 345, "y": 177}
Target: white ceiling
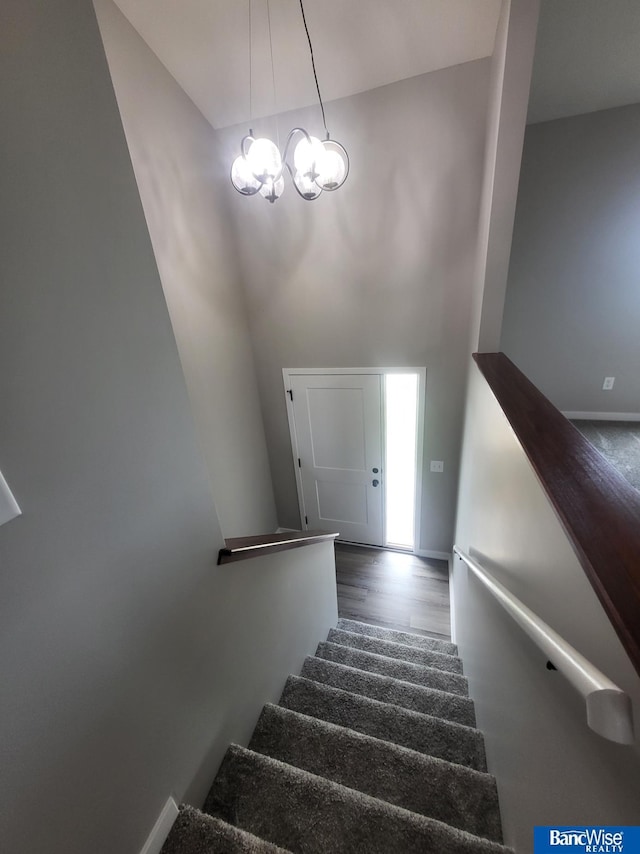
{"x": 587, "y": 57}
{"x": 358, "y": 45}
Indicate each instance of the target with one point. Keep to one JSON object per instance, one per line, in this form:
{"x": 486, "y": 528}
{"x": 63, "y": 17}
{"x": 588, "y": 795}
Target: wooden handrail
{"x": 242, "y": 548}
{"x": 597, "y": 506}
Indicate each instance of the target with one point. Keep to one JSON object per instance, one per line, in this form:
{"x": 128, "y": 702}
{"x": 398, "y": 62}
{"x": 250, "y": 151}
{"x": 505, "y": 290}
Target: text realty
{"x": 591, "y": 840}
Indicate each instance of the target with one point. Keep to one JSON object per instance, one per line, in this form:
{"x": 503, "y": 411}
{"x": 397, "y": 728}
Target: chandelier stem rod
{"x": 250, "y": 71}
{"x": 313, "y": 65}
{"x": 273, "y": 76}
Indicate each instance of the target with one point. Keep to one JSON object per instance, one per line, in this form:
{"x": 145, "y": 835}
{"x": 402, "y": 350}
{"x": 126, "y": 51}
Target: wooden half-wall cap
{"x": 242, "y": 548}
{"x": 597, "y": 506}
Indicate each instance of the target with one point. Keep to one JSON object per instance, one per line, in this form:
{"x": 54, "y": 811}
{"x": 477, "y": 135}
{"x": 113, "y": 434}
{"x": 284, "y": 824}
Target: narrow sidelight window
{"x": 401, "y": 419}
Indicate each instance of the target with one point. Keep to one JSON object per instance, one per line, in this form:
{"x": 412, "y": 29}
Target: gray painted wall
{"x": 175, "y": 158}
{"x": 379, "y": 273}
{"x": 128, "y": 660}
{"x": 511, "y": 65}
{"x": 551, "y": 768}
{"x": 573, "y": 306}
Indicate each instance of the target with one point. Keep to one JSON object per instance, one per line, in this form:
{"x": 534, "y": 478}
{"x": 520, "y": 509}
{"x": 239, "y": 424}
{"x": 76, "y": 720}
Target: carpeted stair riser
{"x": 407, "y": 695}
{"x": 442, "y": 680}
{"x": 460, "y": 797}
{"x": 307, "y": 814}
{"x": 426, "y": 734}
{"x": 396, "y": 636}
{"x": 424, "y": 657}
{"x": 195, "y": 832}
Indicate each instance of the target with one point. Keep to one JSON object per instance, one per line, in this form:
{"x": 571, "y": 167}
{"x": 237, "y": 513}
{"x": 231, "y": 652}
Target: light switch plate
{"x": 8, "y": 505}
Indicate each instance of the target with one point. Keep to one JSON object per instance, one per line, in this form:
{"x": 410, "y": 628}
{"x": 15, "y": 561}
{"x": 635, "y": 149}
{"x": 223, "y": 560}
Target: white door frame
{"x": 287, "y": 373}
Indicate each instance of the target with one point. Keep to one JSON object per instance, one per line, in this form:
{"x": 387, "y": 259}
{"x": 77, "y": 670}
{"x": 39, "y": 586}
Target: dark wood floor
{"x": 393, "y": 589}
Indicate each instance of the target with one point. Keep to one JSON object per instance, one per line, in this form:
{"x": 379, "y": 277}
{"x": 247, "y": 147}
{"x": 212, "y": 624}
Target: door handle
{"x": 375, "y": 471}
{"x": 375, "y": 482}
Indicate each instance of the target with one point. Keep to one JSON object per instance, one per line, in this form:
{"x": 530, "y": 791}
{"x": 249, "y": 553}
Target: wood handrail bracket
{"x": 242, "y": 548}
{"x": 597, "y": 506}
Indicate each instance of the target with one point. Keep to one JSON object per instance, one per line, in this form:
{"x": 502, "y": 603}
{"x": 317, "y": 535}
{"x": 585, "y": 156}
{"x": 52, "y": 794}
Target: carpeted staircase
{"x": 372, "y": 749}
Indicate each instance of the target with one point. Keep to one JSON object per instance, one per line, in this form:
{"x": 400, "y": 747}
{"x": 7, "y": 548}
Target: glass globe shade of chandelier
{"x": 264, "y": 161}
{"x": 335, "y": 166}
{"x": 243, "y": 178}
{"x": 308, "y": 156}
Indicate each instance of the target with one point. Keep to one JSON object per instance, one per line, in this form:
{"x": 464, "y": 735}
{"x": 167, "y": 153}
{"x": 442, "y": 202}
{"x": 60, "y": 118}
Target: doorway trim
{"x": 287, "y": 373}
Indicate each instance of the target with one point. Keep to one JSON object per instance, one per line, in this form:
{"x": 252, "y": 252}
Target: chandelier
{"x": 318, "y": 165}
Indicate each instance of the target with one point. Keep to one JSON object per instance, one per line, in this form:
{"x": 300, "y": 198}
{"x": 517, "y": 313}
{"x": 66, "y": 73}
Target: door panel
{"x": 338, "y": 426}
{"x": 342, "y": 502}
{"x": 336, "y": 416}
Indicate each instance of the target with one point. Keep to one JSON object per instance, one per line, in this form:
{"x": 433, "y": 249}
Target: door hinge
{"x": 290, "y": 393}
{"x": 299, "y": 463}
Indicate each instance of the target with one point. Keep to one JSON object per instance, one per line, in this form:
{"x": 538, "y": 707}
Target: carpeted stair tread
{"x": 424, "y": 733}
{"x": 372, "y": 750}
{"x": 195, "y": 832}
{"x": 430, "y": 677}
{"x": 425, "y": 657}
{"x": 306, "y": 814}
{"x": 459, "y": 796}
{"x": 397, "y": 636}
{"x": 407, "y": 695}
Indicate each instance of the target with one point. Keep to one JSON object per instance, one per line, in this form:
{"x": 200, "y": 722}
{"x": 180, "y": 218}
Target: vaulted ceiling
{"x": 587, "y": 53}
{"x": 358, "y": 45}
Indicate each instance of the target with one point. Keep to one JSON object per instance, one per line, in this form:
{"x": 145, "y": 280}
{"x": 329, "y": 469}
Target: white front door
{"x": 338, "y": 428}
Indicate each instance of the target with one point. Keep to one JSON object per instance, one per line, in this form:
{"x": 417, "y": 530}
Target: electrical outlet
{"x": 437, "y": 465}
{"x": 607, "y": 385}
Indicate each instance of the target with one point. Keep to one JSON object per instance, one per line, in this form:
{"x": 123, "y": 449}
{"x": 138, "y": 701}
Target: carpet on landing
{"x": 618, "y": 442}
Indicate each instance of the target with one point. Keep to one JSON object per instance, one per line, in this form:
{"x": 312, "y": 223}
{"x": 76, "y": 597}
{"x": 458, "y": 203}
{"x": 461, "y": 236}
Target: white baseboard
{"x": 417, "y": 552}
{"x": 161, "y": 828}
{"x": 435, "y": 555}
{"x": 369, "y": 546}
{"x": 602, "y": 416}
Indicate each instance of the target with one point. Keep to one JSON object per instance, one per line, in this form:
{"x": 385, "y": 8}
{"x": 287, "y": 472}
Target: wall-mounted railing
{"x": 243, "y": 548}
{"x": 609, "y": 709}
